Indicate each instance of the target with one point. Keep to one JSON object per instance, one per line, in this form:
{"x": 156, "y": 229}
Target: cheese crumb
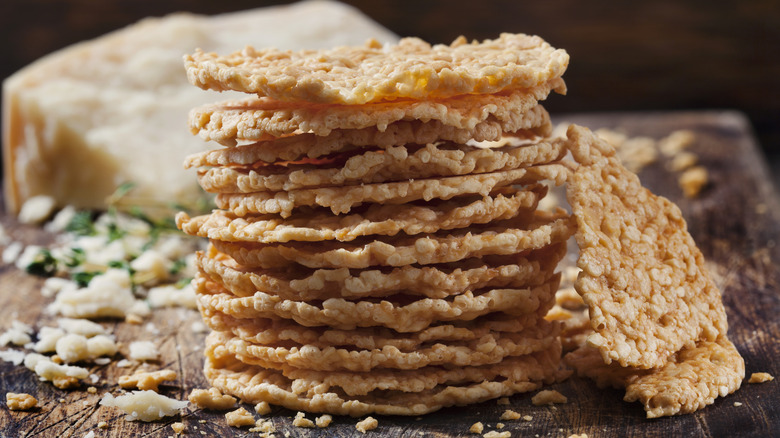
{"x": 102, "y": 425}
{"x": 262, "y": 408}
{"x": 693, "y": 180}
{"x": 503, "y": 401}
{"x": 266, "y": 427}
{"x": 323, "y": 421}
{"x": 92, "y": 390}
{"x": 147, "y": 380}
{"x": 36, "y": 209}
{"x": 548, "y": 397}
{"x": 18, "y": 334}
{"x": 370, "y": 423}
{"x": 737, "y": 404}
{"x": 300, "y": 420}
{"x": 16, "y": 357}
{"x": 239, "y": 418}
{"x": 172, "y": 296}
{"x": 178, "y": 428}
{"x": 510, "y": 415}
{"x": 499, "y": 425}
{"x": 527, "y": 418}
{"x": 477, "y": 428}
{"x": 494, "y": 434}
{"x": 144, "y": 405}
{"x": 20, "y": 401}
{"x": 760, "y": 378}
{"x": 143, "y": 351}
{"x": 584, "y": 435}
{"x": 212, "y": 399}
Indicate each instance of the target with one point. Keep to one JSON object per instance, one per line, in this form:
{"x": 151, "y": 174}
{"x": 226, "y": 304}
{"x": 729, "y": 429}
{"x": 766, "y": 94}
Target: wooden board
{"x": 734, "y": 221}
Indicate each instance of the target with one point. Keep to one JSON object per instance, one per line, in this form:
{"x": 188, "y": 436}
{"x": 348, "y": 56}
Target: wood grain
{"x": 735, "y": 222}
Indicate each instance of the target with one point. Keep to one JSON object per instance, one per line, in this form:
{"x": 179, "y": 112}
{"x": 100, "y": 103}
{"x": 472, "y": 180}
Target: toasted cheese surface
{"x": 82, "y": 121}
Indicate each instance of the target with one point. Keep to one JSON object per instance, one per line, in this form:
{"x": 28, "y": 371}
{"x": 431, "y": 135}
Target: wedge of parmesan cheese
{"x": 81, "y": 121}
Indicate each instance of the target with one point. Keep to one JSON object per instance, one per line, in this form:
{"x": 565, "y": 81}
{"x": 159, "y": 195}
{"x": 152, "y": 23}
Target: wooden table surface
{"x": 734, "y": 221}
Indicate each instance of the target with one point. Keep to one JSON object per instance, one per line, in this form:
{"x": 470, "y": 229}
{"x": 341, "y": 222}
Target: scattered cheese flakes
{"x": 143, "y": 351}
{"x": 477, "y": 428}
{"x": 693, "y": 180}
{"x": 147, "y": 380}
{"x": 300, "y": 420}
{"x": 132, "y": 318}
{"x": 144, "y": 405}
{"x": 172, "y": 296}
{"x": 124, "y": 363}
{"x": 102, "y": 425}
{"x": 11, "y": 252}
{"x": 495, "y": 434}
{"x": 370, "y": 423}
{"x": 36, "y": 209}
{"x": 510, "y": 415}
{"x": 82, "y": 327}
{"x": 62, "y": 376}
{"x": 239, "y": 418}
{"x": 760, "y": 378}
{"x": 90, "y": 434}
{"x": 16, "y": 357}
{"x": 323, "y": 421}
{"x": 107, "y": 295}
{"x": 262, "y": 408}
{"x": 18, "y": 334}
{"x": 264, "y": 426}
{"x": 548, "y": 397}
{"x": 214, "y": 400}
{"x": 20, "y": 401}
{"x": 178, "y": 428}
{"x": 47, "y": 339}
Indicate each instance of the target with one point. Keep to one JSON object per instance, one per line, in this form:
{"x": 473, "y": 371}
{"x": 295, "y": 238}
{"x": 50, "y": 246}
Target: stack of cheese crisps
{"x": 378, "y": 247}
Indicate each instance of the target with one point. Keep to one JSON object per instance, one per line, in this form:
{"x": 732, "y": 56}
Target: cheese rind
{"x": 81, "y": 121}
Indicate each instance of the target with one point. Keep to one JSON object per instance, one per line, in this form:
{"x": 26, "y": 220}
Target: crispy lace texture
{"x": 377, "y": 220}
{"x": 396, "y": 312}
{"x": 359, "y": 75}
{"x": 254, "y": 384}
{"x": 507, "y": 238}
{"x": 643, "y": 277}
{"x": 342, "y": 199}
{"x": 255, "y": 119}
{"x": 433, "y": 281}
{"x": 392, "y": 164}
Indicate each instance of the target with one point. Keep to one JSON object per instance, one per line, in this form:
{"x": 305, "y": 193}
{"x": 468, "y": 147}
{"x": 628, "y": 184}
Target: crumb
{"x": 584, "y": 435}
{"x": 178, "y": 427}
{"x": 92, "y": 390}
{"x": 738, "y": 404}
{"x": 132, "y": 318}
{"x": 239, "y": 418}
{"x": 527, "y": 418}
{"x": 682, "y": 161}
{"x": 300, "y": 420}
{"x": 323, "y": 421}
{"x": 212, "y": 399}
{"x": 499, "y": 425}
{"x": 263, "y": 408}
{"x": 102, "y": 425}
{"x": 760, "y": 378}
{"x": 494, "y": 434}
{"x": 20, "y": 401}
{"x": 510, "y": 415}
{"x": 147, "y": 380}
{"x": 503, "y": 401}
{"x": 266, "y": 427}
{"x": 369, "y": 423}
{"x": 476, "y": 428}
{"x": 693, "y": 180}
{"x": 548, "y": 397}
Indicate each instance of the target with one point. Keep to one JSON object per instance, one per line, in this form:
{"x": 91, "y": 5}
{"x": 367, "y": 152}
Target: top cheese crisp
{"x": 412, "y": 69}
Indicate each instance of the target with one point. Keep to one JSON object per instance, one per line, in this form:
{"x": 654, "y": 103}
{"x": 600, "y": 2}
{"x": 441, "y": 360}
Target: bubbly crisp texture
{"x": 359, "y": 75}
{"x": 433, "y": 281}
{"x": 254, "y": 384}
{"x": 147, "y": 380}
{"x": 444, "y": 247}
{"x": 487, "y": 349}
{"x": 690, "y": 380}
{"x": 342, "y": 199}
{"x": 396, "y": 163}
{"x": 385, "y": 220}
{"x": 401, "y": 314}
{"x": 267, "y": 331}
{"x": 643, "y": 277}
{"x": 255, "y": 119}
{"x": 308, "y": 145}
{"x": 20, "y": 401}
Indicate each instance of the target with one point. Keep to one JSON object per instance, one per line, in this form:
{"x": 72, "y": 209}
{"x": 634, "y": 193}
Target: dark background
{"x": 625, "y": 56}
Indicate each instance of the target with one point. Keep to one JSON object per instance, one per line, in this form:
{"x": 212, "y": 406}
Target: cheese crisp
{"x": 412, "y": 69}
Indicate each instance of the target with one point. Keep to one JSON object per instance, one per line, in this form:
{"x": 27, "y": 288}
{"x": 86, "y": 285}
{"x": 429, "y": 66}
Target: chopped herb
{"x": 114, "y": 232}
{"x": 44, "y": 264}
{"x": 120, "y": 192}
{"x": 77, "y": 258}
{"x": 83, "y": 278}
{"x": 183, "y": 282}
{"x": 81, "y": 224}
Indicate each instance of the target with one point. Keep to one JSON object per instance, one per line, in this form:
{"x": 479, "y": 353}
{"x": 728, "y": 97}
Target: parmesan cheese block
{"x": 81, "y": 121}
